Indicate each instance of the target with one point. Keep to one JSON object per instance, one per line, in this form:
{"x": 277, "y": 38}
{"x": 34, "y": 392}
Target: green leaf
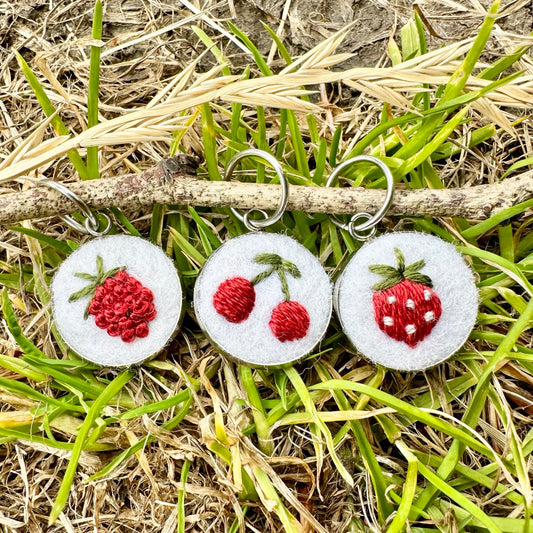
{"x": 388, "y": 283}
{"x": 268, "y": 259}
{"x": 415, "y": 267}
{"x": 86, "y": 291}
{"x": 420, "y": 278}
{"x": 86, "y": 275}
{"x": 400, "y": 259}
{"x": 384, "y": 270}
{"x": 99, "y": 266}
{"x": 110, "y": 274}
{"x": 291, "y": 269}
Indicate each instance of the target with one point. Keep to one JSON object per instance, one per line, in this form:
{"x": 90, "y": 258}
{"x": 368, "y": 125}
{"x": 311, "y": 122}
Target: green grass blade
{"x": 453, "y": 494}
{"x": 50, "y": 111}
{"x": 262, "y": 428}
{"x": 61, "y": 246}
{"x": 407, "y": 409}
{"x": 282, "y": 49}
{"x": 11, "y": 320}
{"x": 408, "y": 493}
{"x": 476, "y": 405}
{"x": 495, "y": 220}
{"x": 181, "y": 496}
{"x": 95, "y": 411}
{"x": 139, "y": 445}
{"x": 365, "y": 450}
{"x": 210, "y": 143}
{"x": 94, "y": 84}
{"x": 309, "y": 405}
{"x": 258, "y": 58}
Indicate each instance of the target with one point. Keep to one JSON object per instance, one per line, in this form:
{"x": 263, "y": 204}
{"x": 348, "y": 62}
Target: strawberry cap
{"x": 393, "y": 276}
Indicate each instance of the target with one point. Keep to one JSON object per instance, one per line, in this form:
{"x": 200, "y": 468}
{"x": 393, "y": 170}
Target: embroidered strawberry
{"x": 234, "y": 299}
{"x": 405, "y": 306}
{"x": 119, "y": 302}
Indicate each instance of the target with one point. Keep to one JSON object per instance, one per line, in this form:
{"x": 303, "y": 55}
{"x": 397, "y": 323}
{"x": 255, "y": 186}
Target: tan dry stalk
{"x": 174, "y": 181}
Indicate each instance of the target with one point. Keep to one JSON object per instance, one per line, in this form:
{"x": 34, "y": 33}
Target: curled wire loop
{"x": 256, "y": 225}
{"x": 366, "y": 229}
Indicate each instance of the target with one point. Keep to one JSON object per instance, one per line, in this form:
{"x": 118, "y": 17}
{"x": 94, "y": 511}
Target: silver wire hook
{"x": 91, "y": 224}
{"x": 356, "y": 230}
{"x": 256, "y": 225}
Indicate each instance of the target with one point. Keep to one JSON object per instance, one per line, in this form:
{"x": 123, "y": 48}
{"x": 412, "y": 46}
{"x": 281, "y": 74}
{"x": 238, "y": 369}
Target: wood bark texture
{"x": 174, "y": 181}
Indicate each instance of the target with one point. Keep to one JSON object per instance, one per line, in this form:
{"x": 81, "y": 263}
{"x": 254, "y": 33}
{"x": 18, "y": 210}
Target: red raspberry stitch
{"x": 120, "y": 304}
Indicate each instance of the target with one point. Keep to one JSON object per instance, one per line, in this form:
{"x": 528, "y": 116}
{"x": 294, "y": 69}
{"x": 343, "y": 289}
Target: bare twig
{"x": 174, "y": 181}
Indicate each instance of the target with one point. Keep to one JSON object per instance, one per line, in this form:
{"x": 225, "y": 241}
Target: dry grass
{"x": 153, "y": 83}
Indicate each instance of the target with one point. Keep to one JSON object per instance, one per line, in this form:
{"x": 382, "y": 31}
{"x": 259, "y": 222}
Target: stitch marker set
{"x": 405, "y": 300}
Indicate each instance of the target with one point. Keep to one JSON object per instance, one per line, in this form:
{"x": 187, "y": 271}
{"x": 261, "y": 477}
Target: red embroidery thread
{"x": 119, "y": 302}
{"x": 289, "y": 321}
{"x": 234, "y": 299}
{"x": 123, "y": 307}
{"x": 405, "y": 306}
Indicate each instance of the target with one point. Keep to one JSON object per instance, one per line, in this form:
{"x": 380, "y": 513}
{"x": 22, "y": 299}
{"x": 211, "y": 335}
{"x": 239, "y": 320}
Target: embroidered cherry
{"x": 234, "y": 299}
{"x": 405, "y": 306}
{"x": 289, "y": 321}
{"x": 119, "y": 302}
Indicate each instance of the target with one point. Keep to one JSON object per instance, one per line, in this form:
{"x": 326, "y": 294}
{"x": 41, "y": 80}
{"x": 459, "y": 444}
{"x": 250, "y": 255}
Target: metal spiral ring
{"x": 91, "y": 224}
{"x": 372, "y": 221}
{"x": 256, "y": 225}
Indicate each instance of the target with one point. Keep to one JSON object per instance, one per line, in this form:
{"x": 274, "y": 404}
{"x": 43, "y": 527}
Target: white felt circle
{"x": 145, "y": 262}
{"x": 453, "y": 282}
{"x": 252, "y": 341}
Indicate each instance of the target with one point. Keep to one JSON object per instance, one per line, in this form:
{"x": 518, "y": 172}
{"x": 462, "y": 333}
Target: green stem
{"x": 281, "y": 267}
{"x": 284, "y": 284}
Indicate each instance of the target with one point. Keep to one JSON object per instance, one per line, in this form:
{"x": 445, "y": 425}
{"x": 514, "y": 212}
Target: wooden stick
{"x": 174, "y": 181}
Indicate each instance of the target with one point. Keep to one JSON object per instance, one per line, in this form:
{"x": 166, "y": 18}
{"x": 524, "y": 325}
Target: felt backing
{"x": 453, "y": 282}
{"x": 147, "y": 263}
{"x": 252, "y": 341}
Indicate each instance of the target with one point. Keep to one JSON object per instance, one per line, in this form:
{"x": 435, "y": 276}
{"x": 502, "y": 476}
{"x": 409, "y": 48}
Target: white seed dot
{"x": 391, "y": 299}
{"x": 387, "y": 320}
{"x": 429, "y": 316}
{"x": 427, "y": 295}
{"x": 410, "y": 329}
{"x": 410, "y": 304}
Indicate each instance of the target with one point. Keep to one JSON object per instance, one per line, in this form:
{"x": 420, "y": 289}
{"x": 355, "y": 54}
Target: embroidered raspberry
{"x": 119, "y": 302}
{"x": 234, "y": 299}
{"x": 405, "y": 306}
{"x": 289, "y": 321}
